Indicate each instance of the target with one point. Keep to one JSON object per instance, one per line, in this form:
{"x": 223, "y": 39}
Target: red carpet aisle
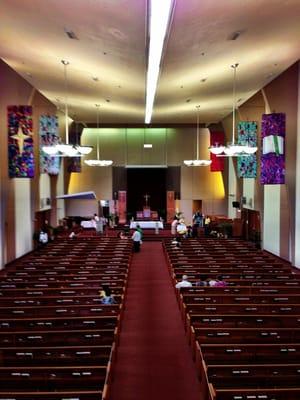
{"x": 154, "y": 360}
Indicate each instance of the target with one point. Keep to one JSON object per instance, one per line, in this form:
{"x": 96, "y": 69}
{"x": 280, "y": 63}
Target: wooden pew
{"x": 49, "y": 324}
{"x": 64, "y": 355}
{"x": 52, "y": 378}
{"x": 81, "y": 337}
{"x": 249, "y": 353}
{"x": 61, "y": 395}
{"x": 284, "y": 393}
{"x": 254, "y": 375}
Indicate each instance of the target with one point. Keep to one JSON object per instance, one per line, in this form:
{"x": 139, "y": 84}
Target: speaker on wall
{"x": 236, "y": 204}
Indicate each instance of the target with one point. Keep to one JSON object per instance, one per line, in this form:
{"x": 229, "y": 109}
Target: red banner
{"x": 122, "y": 197}
{"x": 170, "y": 205}
{"x": 216, "y": 138}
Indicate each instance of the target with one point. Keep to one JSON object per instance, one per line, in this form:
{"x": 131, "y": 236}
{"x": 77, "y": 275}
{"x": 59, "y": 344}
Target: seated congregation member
{"x": 136, "y": 238}
{"x": 176, "y": 242}
{"x": 122, "y": 235}
{"x": 219, "y": 282}
{"x": 106, "y": 296}
{"x": 183, "y": 283}
{"x": 202, "y": 281}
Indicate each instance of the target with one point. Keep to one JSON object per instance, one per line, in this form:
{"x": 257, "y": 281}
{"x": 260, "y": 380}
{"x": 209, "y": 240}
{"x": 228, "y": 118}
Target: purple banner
{"x": 20, "y": 142}
{"x": 273, "y": 151}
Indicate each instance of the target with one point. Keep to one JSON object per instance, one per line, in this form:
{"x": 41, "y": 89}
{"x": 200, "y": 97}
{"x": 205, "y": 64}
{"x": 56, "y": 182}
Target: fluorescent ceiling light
{"x": 147, "y": 146}
{"x": 160, "y": 12}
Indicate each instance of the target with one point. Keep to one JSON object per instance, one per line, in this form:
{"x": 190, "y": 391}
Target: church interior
{"x": 149, "y": 199}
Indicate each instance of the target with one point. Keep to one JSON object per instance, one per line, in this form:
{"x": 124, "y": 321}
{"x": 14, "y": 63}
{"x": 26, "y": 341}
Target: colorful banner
{"x": 20, "y": 142}
{"x": 49, "y": 136}
{"x": 122, "y": 197}
{"x": 216, "y": 138}
{"x": 170, "y": 206}
{"x": 273, "y": 152}
{"x": 247, "y": 135}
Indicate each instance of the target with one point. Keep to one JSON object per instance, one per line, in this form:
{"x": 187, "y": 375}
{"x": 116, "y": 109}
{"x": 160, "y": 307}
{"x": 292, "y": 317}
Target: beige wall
{"x": 81, "y": 208}
{"x": 276, "y": 204}
{"x": 20, "y": 198}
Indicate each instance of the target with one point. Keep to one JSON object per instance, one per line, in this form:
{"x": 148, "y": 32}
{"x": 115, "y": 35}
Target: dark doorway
{"x": 146, "y": 181}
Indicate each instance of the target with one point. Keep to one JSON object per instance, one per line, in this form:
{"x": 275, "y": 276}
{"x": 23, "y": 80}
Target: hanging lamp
{"x": 197, "y": 162}
{"x": 233, "y": 149}
{"x": 98, "y": 162}
{"x": 66, "y": 149}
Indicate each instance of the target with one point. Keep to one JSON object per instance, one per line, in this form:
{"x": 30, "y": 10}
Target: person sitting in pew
{"x": 106, "y": 295}
{"x": 122, "y": 235}
{"x": 219, "y": 282}
{"x": 183, "y": 283}
{"x": 176, "y": 242}
{"x": 202, "y": 281}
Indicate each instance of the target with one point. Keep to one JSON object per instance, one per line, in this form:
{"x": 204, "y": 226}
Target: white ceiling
{"x": 112, "y": 48}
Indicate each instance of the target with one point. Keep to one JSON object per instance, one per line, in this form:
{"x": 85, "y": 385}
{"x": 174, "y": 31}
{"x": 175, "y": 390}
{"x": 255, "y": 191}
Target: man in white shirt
{"x": 136, "y": 237}
{"x": 184, "y": 282}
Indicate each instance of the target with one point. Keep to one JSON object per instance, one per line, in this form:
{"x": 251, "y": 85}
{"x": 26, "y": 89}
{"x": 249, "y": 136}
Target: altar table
{"x": 146, "y": 224}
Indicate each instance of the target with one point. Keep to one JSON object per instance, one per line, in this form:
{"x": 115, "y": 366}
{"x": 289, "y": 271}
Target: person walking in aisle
{"x": 136, "y": 237}
{"x": 98, "y": 224}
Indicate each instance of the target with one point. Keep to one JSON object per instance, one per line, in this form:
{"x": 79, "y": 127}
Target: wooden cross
{"x": 146, "y": 198}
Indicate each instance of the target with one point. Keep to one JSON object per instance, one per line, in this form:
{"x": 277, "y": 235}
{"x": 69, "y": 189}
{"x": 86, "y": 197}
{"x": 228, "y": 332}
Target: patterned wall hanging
{"x": 216, "y": 138}
{"x": 49, "y": 136}
{"x": 273, "y": 151}
{"x": 247, "y": 135}
{"x": 20, "y": 142}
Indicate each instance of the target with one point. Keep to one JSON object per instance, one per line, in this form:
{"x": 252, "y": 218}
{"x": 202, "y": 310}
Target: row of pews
{"x": 57, "y": 340}
{"x": 245, "y": 337}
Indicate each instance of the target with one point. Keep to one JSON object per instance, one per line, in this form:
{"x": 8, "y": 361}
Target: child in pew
{"x": 106, "y": 295}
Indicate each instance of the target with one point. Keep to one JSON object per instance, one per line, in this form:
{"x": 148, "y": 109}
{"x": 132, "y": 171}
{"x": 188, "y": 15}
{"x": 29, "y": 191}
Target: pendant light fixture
{"x": 66, "y": 149}
{"x": 233, "y": 149}
{"x": 197, "y": 162}
{"x": 98, "y": 162}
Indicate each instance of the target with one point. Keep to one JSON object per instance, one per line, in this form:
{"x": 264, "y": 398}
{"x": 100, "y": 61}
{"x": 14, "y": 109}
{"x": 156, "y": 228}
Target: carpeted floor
{"x": 154, "y": 359}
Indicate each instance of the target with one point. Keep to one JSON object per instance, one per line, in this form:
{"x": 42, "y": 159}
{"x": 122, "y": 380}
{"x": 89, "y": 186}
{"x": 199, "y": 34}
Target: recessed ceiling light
{"x": 203, "y": 54}
{"x": 203, "y": 80}
{"x": 70, "y": 34}
{"x": 188, "y": 100}
{"x": 234, "y": 35}
{"x": 104, "y": 53}
{"x": 107, "y": 100}
{"x": 95, "y": 78}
